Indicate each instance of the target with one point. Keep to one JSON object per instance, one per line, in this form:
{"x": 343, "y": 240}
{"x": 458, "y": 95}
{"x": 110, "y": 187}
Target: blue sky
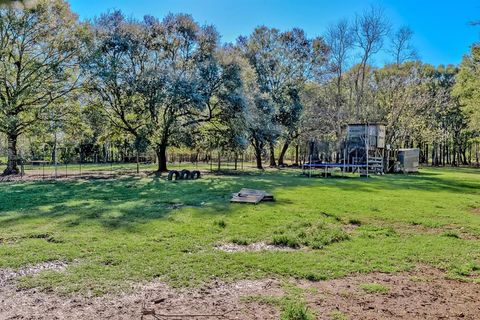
{"x": 442, "y": 33}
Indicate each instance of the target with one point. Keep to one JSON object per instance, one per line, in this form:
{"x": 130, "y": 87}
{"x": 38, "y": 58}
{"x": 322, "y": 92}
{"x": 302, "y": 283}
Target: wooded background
{"x": 117, "y": 89}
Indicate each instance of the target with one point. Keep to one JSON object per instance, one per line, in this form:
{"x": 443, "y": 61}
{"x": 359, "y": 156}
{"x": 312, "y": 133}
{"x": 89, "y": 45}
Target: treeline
{"x": 117, "y": 87}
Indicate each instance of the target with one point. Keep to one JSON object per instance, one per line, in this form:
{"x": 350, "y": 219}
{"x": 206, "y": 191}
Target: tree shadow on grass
{"x": 124, "y": 203}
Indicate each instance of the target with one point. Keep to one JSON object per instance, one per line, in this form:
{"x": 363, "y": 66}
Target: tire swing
{"x": 184, "y": 174}
{"x": 195, "y": 174}
{"x": 173, "y": 175}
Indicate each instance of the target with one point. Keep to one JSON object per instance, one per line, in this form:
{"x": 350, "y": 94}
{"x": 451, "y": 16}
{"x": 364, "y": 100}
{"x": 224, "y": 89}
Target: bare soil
{"x": 252, "y": 247}
{"x": 36, "y": 176}
{"x": 6, "y": 275}
{"x": 423, "y": 293}
{"x": 155, "y": 298}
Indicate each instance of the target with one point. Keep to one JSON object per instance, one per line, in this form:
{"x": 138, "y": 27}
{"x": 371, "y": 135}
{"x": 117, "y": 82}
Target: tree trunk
{"x": 161, "y": 152}
{"x": 257, "y": 147}
{"x": 12, "y": 160}
{"x": 297, "y": 147}
{"x": 258, "y": 157}
{"x": 272, "y": 155}
{"x": 281, "y": 158}
{"x": 137, "y": 160}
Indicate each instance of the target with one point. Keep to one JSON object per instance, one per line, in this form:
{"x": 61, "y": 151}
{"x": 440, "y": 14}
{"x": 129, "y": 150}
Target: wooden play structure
{"x": 362, "y": 150}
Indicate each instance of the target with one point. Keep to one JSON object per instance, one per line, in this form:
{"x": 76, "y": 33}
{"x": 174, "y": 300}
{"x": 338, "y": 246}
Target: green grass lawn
{"x": 117, "y": 232}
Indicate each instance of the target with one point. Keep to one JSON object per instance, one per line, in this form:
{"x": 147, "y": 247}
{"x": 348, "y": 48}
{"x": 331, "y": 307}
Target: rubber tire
{"x": 173, "y": 173}
{"x": 195, "y": 174}
{"x": 184, "y": 174}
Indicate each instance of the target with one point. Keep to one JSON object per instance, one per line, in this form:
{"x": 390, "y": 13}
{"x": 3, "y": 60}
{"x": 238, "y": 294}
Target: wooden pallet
{"x": 251, "y": 196}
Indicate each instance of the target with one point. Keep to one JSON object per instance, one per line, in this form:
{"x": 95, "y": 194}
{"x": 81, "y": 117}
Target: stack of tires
{"x": 183, "y": 175}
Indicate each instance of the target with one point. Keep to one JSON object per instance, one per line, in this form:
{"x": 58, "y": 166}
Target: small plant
{"x": 374, "y": 288}
{"x": 220, "y": 223}
{"x": 296, "y": 310}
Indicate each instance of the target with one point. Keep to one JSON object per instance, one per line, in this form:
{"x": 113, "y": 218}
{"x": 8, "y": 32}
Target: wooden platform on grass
{"x": 251, "y": 196}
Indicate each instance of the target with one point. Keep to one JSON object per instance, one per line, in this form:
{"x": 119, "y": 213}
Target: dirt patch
{"x": 253, "y": 247}
{"x": 350, "y": 228}
{"x": 476, "y": 210}
{"x": 6, "y": 275}
{"x": 421, "y": 294}
{"x": 158, "y": 298}
{"x": 448, "y": 231}
{"x": 35, "y": 175}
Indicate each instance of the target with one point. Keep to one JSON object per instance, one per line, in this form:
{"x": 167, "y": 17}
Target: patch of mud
{"x": 155, "y": 298}
{"x": 476, "y": 210}
{"x": 6, "y": 275}
{"x": 424, "y": 293}
{"x": 253, "y": 247}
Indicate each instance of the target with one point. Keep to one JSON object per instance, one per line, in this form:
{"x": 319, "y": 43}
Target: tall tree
{"x": 39, "y": 50}
{"x": 369, "y": 31}
{"x": 161, "y": 80}
{"x": 283, "y": 61}
{"x": 467, "y": 87}
{"x": 401, "y": 47}
{"x": 339, "y": 38}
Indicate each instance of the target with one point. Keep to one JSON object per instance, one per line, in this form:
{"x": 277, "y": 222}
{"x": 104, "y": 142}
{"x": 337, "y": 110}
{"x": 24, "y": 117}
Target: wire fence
{"x": 45, "y": 170}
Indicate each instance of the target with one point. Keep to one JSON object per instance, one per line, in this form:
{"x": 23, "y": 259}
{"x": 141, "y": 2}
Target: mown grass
{"x": 129, "y": 230}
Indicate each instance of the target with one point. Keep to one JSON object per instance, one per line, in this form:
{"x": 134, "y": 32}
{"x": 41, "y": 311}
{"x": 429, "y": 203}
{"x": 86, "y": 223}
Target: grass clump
{"x": 374, "y": 288}
{"x": 240, "y": 241}
{"x": 355, "y": 222}
{"x": 451, "y": 234}
{"x": 314, "y": 236}
{"x": 371, "y": 231}
{"x": 286, "y": 240}
{"x": 220, "y": 223}
{"x": 296, "y": 310}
